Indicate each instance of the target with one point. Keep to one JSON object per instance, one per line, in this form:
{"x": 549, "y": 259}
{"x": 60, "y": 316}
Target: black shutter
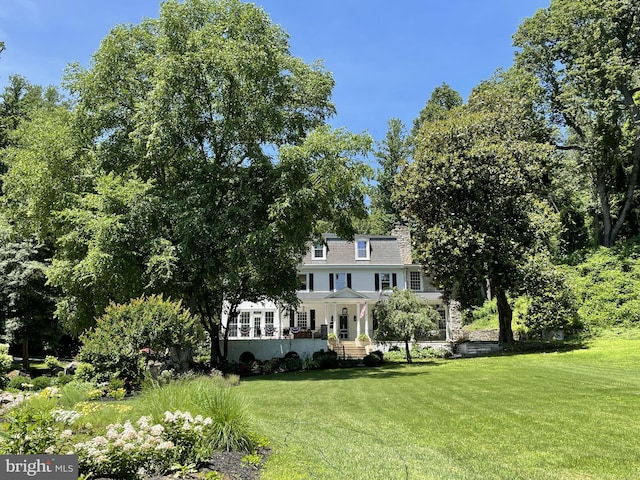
{"x": 349, "y": 280}
{"x": 312, "y": 322}
{"x": 311, "y": 282}
{"x": 377, "y": 282}
{"x": 394, "y": 279}
{"x": 331, "y": 282}
{"x": 291, "y": 321}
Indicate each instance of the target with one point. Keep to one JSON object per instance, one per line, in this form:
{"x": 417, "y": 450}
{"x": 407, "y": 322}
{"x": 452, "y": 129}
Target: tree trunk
{"x": 505, "y": 316}
{"x": 406, "y": 346}
{"x": 25, "y": 354}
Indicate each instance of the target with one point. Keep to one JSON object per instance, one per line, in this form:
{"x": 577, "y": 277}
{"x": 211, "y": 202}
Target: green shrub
{"x": 127, "y": 335}
{"x": 40, "y": 383}
{"x": 52, "y": 362}
{"x": 372, "y": 360}
{"x": 20, "y": 383}
{"x": 326, "y": 360}
{"x": 85, "y": 372}
{"x": 63, "y": 379}
{"x": 292, "y": 364}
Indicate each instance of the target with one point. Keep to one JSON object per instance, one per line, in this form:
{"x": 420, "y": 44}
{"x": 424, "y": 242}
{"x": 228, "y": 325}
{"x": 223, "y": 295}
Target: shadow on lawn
{"x": 538, "y": 346}
{"x": 387, "y": 370}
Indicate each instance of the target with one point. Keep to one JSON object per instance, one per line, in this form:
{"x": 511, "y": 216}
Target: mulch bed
{"x": 229, "y": 464}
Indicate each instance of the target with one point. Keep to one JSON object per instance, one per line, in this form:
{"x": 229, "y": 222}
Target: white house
{"x": 340, "y": 283}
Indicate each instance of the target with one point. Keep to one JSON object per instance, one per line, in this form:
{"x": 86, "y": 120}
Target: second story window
{"x": 319, "y": 252}
{"x": 362, "y": 249}
{"x": 302, "y": 281}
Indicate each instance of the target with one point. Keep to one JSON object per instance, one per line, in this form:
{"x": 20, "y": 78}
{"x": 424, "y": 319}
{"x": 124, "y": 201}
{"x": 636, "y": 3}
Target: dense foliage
{"x": 606, "y": 284}
{"x": 402, "y": 316}
{"x": 127, "y": 336}
{"x": 586, "y": 55}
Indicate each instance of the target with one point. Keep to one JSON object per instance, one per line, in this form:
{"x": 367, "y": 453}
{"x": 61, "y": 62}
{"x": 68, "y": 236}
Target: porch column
{"x": 335, "y": 318}
{"x": 366, "y": 322}
{"x": 357, "y": 319}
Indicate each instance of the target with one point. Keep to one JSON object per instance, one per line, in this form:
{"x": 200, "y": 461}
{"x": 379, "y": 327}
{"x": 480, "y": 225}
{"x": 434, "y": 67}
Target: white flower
{"x": 207, "y": 421}
{"x": 198, "y": 419}
{"x": 66, "y": 434}
{"x": 156, "y": 430}
{"x": 169, "y": 417}
{"x": 100, "y": 441}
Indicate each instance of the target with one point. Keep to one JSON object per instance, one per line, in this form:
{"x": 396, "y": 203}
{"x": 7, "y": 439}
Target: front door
{"x": 344, "y": 326}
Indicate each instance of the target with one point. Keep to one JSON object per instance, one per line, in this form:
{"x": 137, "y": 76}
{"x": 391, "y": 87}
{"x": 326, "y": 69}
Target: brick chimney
{"x": 403, "y": 235}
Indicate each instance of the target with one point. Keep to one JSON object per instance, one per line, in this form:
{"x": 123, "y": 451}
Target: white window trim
{"x": 324, "y": 252}
{"x": 367, "y": 249}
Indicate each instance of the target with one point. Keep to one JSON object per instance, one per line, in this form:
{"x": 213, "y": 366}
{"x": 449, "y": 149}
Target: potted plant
{"x": 363, "y": 340}
{"x": 332, "y": 338}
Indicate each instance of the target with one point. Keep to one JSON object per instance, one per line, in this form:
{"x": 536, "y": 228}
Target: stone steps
{"x": 349, "y": 350}
{"x": 477, "y": 349}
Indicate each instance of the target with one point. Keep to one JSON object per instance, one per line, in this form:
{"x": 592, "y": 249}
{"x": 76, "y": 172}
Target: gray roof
{"x": 383, "y": 250}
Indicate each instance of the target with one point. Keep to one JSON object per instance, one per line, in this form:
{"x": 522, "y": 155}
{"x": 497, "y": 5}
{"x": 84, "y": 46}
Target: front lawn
{"x": 571, "y": 415}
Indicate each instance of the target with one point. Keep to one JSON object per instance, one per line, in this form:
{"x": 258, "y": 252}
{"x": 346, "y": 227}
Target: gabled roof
{"x": 346, "y": 293}
{"x": 383, "y": 250}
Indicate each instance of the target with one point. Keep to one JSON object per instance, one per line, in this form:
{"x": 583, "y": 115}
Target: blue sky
{"x": 386, "y": 56}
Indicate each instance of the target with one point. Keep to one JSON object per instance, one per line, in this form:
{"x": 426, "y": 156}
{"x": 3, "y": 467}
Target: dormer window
{"x": 362, "y": 249}
{"x": 319, "y": 252}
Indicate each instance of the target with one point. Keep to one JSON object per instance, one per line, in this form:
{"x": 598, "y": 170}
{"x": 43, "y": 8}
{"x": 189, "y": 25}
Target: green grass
{"x": 571, "y": 415}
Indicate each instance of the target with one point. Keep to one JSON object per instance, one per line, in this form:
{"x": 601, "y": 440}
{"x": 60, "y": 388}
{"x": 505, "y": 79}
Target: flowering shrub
{"x": 124, "y": 452}
{"x": 192, "y": 435}
{"x": 127, "y": 451}
{"x": 33, "y": 429}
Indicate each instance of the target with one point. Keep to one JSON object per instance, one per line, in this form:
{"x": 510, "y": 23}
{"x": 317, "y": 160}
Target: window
{"x": 303, "y": 323}
{"x": 341, "y": 281}
{"x": 233, "y": 327}
{"x": 385, "y": 281}
{"x": 302, "y": 281}
{"x": 319, "y": 252}
{"x": 362, "y": 249}
{"x": 245, "y": 326}
{"x": 269, "y": 328}
{"x": 415, "y": 282}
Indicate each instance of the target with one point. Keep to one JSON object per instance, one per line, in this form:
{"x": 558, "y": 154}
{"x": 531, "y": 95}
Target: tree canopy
{"x": 586, "y": 56}
{"x": 473, "y": 194}
{"x": 204, "y": 165}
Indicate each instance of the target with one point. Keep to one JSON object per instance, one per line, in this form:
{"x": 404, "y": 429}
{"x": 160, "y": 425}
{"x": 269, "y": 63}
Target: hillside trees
{"x": 474, "y": 194}
{"x": 586, "y": 56}
{"x": 202, "y": 166}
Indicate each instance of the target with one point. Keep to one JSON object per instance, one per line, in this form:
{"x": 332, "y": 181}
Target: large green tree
{"x": 393, "y": 153}
{"x": 586, "y": 55}
{"x": 473, "y": 194}
{"x": 205, "y": 165}
{"x": 26, "y": 301}
{"x": 442, "y": 100}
